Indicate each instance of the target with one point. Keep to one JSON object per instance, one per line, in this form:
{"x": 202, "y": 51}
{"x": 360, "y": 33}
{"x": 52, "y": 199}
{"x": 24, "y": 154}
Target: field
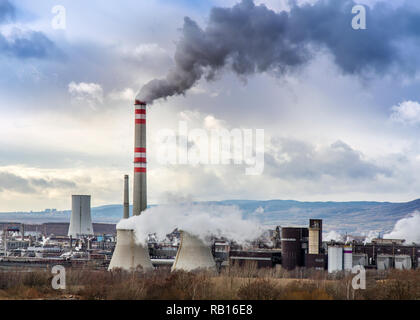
{"x": 231, "y": 284}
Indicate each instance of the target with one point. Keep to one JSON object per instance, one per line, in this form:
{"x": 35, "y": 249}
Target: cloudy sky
{"x": 340, "y": 107}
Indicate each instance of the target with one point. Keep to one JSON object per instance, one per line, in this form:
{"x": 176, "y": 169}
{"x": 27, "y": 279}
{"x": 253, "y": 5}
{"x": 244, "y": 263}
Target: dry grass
{"x": 233, "y": 283}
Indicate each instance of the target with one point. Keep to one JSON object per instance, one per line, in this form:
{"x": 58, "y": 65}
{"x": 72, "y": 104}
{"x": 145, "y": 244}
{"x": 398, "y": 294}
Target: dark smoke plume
{"x": 251, "y": 39}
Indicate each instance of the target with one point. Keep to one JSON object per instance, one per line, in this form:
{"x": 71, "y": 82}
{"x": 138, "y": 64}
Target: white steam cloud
{"x": 332, "y": 236}
{"x": 407, "y": 228}
{"x": 198, "y": 219}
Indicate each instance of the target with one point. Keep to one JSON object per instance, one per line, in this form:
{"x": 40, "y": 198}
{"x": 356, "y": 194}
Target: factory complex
{"x": 82, "y": 243}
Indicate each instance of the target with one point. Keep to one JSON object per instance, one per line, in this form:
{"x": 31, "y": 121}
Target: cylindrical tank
{"x": 128, "y": 254}
{"x": 80, "y": 221}
{"x": 384, "y": 261}
{"x": 348, "y": 257}
{"x": 360, "y": 259}
{"x": 335, "y": 259}
{"x": 403, "y": 262}
{"x": 193, "y": 254}
{"x": 291, "y": 247}
{"x": 140, "y": 161}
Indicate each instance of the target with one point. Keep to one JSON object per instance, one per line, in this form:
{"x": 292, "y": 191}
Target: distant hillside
{"x": 352, "y": 217}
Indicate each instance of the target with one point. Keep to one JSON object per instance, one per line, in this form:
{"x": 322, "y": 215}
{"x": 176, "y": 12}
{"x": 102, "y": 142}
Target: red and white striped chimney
{"x": 140, "y": 187}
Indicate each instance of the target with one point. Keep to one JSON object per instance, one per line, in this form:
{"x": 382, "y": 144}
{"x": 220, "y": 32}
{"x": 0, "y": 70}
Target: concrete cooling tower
{"x": 128, "y": 254}
{"x": 80, "y": 221}
{"x": 193, "y": 254}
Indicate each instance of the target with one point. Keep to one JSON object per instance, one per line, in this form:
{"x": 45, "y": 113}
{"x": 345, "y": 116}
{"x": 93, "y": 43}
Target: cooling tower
{"x": 193, "y": 254}
{"x": 128, "y": 254}
{"x": 80, "y": 221}
{"x": 139, "y": 189}
{"x": 126, "y": 200}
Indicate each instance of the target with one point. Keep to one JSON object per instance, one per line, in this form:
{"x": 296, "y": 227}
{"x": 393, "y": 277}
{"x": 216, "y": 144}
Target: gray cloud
{"x": 12, "y": 182}
{"x": 23, "y": 45}
{"x": 299, "y": 160}
{"x": 32, "y": 44}
{"x": 250, "y": 39}
{"x": 7, "y": 11}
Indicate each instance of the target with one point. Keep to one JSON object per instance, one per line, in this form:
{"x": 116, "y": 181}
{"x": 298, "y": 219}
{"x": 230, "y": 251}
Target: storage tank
{"x": 403, "y": 262}
{"x": 348, "y": 257}
{"x": 384, "y": 261}
{"x": 193, "y": 254}
{"x": 360, "y": 259}
{"x": 335, "y": 259}
{"x": 80, "y": 221}
{"x": 128, "y": 254}
{"x": 291, "y": 247}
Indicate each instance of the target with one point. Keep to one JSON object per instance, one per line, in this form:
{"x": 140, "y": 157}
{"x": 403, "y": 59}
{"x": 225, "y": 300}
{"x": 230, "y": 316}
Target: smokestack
{"x": 139, "y": 189}
{"x": 128, "y": 254}
{"x": 193, "y": 254}
{"x": 126, "y": 200}
{"x": 80, "y": 221}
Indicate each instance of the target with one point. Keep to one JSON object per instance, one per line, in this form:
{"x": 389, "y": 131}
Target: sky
{"x": 340, "y": 108}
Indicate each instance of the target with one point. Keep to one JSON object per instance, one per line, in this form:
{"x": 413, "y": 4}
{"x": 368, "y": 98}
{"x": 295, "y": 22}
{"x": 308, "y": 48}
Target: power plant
{"x": 289, "y": 248}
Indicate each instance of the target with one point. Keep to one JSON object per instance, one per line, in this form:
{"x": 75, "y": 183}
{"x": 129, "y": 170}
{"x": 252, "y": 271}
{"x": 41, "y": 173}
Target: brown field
{"x": 231, "y": 284}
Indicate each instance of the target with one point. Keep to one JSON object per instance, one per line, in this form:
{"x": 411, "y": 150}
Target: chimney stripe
{"x": 139, "y": 154}
{"x": 140, "y": 121}
{"x": 137, "y": 160}
{"x": 136, "y": 170}
{"x": 140, "y": 111}
{"x": 140, "y": 116}
{"x": 140, "y": 165}
{"x": 140, "y": 150}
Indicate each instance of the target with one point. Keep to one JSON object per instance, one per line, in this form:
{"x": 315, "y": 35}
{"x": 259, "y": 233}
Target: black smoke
{"x": 251, "y": 39}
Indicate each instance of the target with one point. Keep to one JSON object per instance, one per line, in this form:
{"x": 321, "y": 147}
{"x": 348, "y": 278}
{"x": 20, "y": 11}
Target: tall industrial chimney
{"x": 139, "y": 189}
{"x": 126, "y": 200}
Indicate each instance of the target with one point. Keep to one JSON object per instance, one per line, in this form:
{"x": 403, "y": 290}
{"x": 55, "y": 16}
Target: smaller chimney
{"x": 126, "y": 200}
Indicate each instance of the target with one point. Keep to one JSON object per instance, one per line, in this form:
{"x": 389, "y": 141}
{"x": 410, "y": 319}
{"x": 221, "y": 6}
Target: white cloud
{"x": 126, "y": 94}
{"x": 91, "y": 93}
{"x": 333, "y": 235}
{"x": 407, "y": 112}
